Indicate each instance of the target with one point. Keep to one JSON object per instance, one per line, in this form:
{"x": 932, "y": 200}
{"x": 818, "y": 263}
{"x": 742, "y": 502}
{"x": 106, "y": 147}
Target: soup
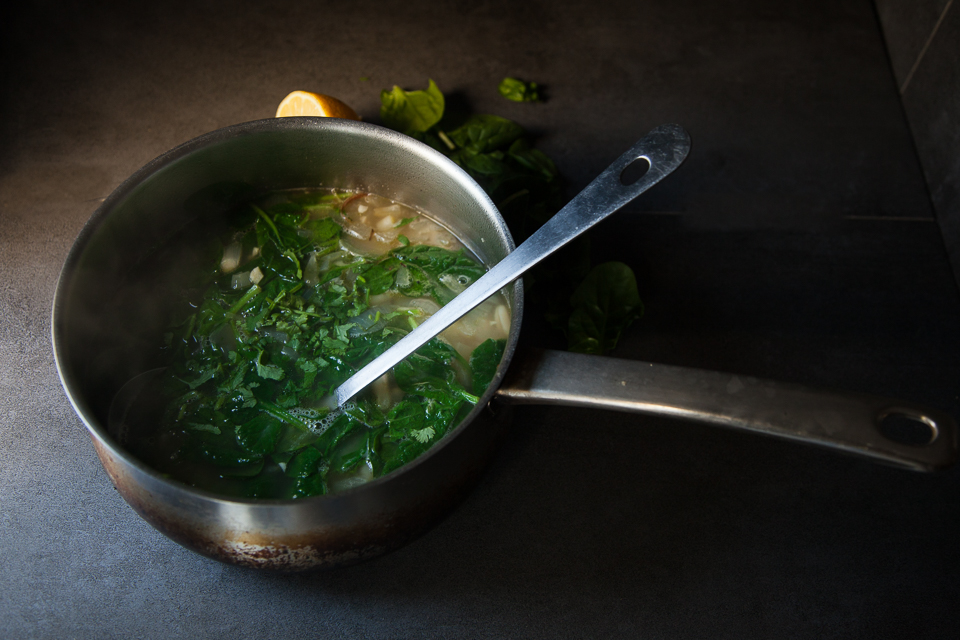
{"x": 304, "y": 289}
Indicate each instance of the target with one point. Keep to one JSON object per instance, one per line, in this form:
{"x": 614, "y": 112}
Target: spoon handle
{"x": 664, "y": 149}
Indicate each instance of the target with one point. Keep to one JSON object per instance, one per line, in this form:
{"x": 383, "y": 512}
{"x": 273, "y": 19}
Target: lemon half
{"x": 306, "y": 103}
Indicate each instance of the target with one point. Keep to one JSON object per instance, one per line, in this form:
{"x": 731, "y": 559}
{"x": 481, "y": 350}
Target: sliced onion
{"x": 240, "y": 280}
{"x": 357, "y": 230}
{"x": 386, "y": 237}
{"x": 426, "y": 305}
{"x": 386, "y": 223}
{"x": 311, "y": 273}
{"x": 231, "y": 257}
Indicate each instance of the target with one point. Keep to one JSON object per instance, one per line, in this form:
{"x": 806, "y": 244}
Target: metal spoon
{"x": 663, "y": 149}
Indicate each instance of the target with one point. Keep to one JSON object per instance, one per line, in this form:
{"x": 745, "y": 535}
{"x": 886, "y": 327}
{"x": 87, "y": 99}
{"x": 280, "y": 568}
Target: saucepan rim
{"x": 224, "y": 135}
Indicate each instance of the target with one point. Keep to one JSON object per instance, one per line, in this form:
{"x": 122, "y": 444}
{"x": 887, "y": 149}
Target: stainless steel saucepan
{"x": 105, "y": 328}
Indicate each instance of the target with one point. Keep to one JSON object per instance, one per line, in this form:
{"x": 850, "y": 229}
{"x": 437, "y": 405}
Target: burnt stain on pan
{"x": 97, "y": 352}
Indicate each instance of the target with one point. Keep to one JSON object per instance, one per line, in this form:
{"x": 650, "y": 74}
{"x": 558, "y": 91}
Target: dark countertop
{"x": 797, "y": 243}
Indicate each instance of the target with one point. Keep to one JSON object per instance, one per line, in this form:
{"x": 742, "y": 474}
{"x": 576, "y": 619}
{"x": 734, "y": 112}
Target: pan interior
{"x": 107, "y": 324}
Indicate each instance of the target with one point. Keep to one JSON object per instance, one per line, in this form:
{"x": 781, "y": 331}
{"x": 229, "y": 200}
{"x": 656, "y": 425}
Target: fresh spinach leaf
{"x": 534, "y": 160}
{"x": 526, "y": 186}
{"x": 412, "y": 111}
{"x": 484, "y": 133}
{"x": 604, "y": 304}
{"x": 490, "y": 166}
{"x": 518, "y": 90}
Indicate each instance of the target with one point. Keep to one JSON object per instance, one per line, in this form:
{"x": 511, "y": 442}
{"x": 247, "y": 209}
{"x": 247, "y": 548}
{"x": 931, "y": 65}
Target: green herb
{"x": 604, "y": 304}
{"x": 248, "y": 367}
{"x": 526, "y": 187}
{"x": 518, "y": 90}
{"x": 485, "y": 133}
{"x": 484, "y": 362}
{"x": 522, "y": 181}
{"x": 412, "y": 111}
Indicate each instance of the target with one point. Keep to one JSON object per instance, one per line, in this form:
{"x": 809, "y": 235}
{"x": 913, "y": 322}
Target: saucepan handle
{"x": 894, "y": 431}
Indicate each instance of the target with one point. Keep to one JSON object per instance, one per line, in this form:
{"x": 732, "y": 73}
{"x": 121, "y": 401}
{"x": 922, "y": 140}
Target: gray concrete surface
{"x": 797, "y": 243}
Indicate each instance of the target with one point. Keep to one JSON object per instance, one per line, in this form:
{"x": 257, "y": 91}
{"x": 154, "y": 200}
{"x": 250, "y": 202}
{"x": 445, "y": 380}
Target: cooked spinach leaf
{"x": 484, "y": 362}
{"x": 265, "y": 344}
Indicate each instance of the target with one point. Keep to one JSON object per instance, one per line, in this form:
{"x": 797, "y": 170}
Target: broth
{"x": 304, "y": 289}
